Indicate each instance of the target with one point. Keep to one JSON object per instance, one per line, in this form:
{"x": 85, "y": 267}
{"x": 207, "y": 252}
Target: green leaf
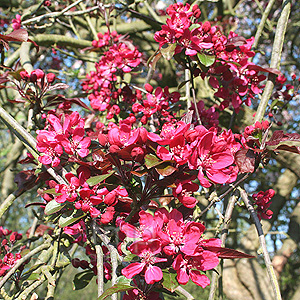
{"x": 205, "y": 59}
{"x": 49, "y": 191}
{"x": 122, "y": 279}
{"x": 170, "y": 283}
{"x": 168, "y": 51}
{"x": 193, "y": 26}
{"x": 16, "y": 75}
{"x": 129, "y": 257}
{"x": 24, "y": 252}
{"x": 82, "y": 279}
{"x": 97, "y": 179}
{"x": 116, "y": 288}
{"x": 67, "y": 220}
{"x": 33, "y": 276}
{"x": 182, "y": 84}
{"x": 276, "y": 102}
{"x": 152, "y": 161}
{"x": 53, "y": 207}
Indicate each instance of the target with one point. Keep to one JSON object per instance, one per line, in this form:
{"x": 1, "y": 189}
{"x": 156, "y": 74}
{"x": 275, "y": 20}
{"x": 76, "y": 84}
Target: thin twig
{"x": 100, "y": 268}
{"x": 89, "y": 21}
{"x": 185, "y": 293}
{"x": 4, "y": 295}
{"x": 227, "y": 218}
{"x": 187, "y": 88}
{"x": 263, "y": 20}
{"x": 262, "y": 241}
{"x": 9, "y": 201}
{"x": 152, "y": 12}
{"x": 51, "y": 14}
{"x": 31, "y": 288}
{"x": 114, "y": 257}
{"x": 215, "y": 198}
{"x": 38, "y": 249}
{"x": 27, "y": 139}
{"x": 194, "y": 94}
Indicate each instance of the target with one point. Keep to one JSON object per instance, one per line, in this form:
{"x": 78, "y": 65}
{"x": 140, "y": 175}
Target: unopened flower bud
{"x": 51, "y": 77}
{"x": 149, "y": 88}
{"x": 75, "y": 262}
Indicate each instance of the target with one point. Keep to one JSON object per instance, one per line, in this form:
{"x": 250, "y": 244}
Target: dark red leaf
{"x": 25, "y": 180}
{"x": 284, "y": 141}
{"x": 234, "y": 42}
{"x": 227, "y": 252}
{"x": 40, "y": 230}
{"x": 268, "y": 70}
{"x": 19, "y": 35}
{"x": 245, "y": 160}
{"x": 165, "y": 169}
{"x": 57, "y": 99}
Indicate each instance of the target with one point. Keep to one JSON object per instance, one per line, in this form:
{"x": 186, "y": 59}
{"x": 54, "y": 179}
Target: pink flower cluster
{"x": 209, "y": 154}
{"x": 86, "y": 199}
{"x": 156, "y": 103}
{"x": 262, "y": 201}
{"x": 192, "y": 41}
{"x": 120, "y": 58}
{"x": 201, "y": 149}
{"x": 63, "y": 134}
{"x": 8, "y": 240}
{"x": 166, "y": 239}
{"x": 209, "y": 117}
{"x": 235, "y": 78}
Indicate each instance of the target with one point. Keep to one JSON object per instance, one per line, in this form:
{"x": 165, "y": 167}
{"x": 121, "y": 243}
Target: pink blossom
{"x": 146, "y": 251}
{"x": 16, "y": 23}
{"x": 262, "y": 201}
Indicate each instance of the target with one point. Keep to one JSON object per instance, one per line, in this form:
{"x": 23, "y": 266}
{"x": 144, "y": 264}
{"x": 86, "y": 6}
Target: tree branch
{"x": 38, "y": 249}
{"x": 268, "y": 263}
{"x": 27, "y": 139}
{"x": 275, "y": 59}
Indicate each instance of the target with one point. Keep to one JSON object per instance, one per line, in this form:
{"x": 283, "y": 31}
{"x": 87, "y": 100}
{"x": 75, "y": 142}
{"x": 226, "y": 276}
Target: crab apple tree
{"x": 147, "y": 150}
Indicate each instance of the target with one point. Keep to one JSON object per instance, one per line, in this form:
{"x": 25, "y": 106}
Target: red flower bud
{"x": 137, "y": 154}
{"x": 206, "y": 26}
{"x": 51, "y": 77}
{"x": 75, "y": 262}
{"x": 24, "y": 75}
{"x": 265, "y": 125}
{"x": 39, "y": 73}
{"x": 114, "y": 148}
{"x": 149, "y": 88}
{"x": 103, "y": 140}
{"x": 84, "y": 264}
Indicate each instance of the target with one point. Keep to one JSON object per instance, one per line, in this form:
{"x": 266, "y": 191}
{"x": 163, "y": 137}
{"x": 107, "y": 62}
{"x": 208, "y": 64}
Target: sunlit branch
{"x": 275, "y": 59}
{"x": 262, "y": 241}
